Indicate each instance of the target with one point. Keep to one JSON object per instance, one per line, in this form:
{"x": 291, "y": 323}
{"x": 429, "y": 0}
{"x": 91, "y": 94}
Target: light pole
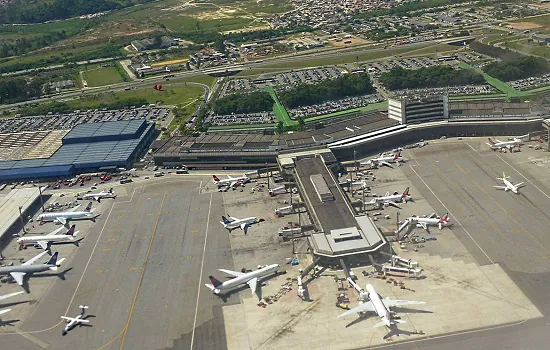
{"x": 41, "y": 199}
{"x": 21, "y": 219}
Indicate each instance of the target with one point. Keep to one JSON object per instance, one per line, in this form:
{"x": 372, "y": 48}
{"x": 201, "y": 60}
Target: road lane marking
{"x": 125, "y": 330}
{"x": 458, "y": 222}
{"x": 200, "y": 273}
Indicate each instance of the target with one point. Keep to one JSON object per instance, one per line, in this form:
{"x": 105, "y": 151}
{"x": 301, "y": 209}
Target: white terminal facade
{"x": 408, "y": 110}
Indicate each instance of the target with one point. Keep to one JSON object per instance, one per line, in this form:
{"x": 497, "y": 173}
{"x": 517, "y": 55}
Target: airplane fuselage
{"x": 510, "y": 186}
{"x": 381, "y": 309}
{"x": 230, "y": 180}
{"x": 237, "y": 281}
{"x": 25, "y": 269}
{"x": 51, "y": 239}
{"x": 100, "y": 195}
{"x": 238, "y": 223}
{"x": 67, "y": 215}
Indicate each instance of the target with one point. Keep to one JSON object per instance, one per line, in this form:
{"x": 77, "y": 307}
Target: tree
{"x": 280, "y": 128}
{"x": 301, "y": 123}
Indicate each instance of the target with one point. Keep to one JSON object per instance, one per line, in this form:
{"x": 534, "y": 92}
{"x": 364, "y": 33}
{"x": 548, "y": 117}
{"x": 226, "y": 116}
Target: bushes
{"x": 437, "y": 76}
{"x": 519, "y": 68}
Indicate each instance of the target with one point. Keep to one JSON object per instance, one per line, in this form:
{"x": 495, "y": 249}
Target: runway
{"x": 495, "y": 226}
{"x": 139, "y": 271}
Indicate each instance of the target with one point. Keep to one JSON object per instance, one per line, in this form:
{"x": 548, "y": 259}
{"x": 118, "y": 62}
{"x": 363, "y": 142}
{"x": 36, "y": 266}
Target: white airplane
{"x": 495, "y": 144}
{"x": 18, "y": 272}
{"x": 431, "y": 221}
{"x": 392, "y": 199}
{"x": 72, "y": 214}
{"x": 381, "y": 307}
{"x": 45, "y": 241}
{"x": 250, "y": 278}
{"x": 384, "y": 160}
{"x": 100, "y": 195}
{"x": 6, "y": 296}
{"x": 231, "y": 181}
{"x": 508, "y": 186}
{"x": 233, "y": 223}
{"x": 73, "y": 321}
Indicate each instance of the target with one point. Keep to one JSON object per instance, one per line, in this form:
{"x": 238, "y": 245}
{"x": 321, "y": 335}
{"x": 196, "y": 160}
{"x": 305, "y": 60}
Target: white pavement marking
{"x": 517, "y": 171}
{"x": 458, "y": 222}
{"x": 200, "y": 273}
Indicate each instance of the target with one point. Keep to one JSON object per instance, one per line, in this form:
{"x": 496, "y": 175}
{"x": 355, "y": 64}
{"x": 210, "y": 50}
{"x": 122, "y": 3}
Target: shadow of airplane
{"x": 395, "y": 331}
{"x": 8, "y": 322}
{"x": 60, "y": 275}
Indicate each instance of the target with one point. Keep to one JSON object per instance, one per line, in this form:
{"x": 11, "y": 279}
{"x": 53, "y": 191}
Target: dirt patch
{"x": 244, "y": 30}
{"x": 348, "y": 42}
{"x": 524, "y": 25}
{"x": 164, "y": 63}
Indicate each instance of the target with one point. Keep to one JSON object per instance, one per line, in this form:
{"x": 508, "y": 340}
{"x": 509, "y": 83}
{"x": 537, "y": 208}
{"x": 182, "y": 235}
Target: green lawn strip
{"x": 498, "y": 84}
{"x": 539, "y": 89}
{"x": 476, "y": 97}
{"x": 279, "y": 109}
{"x": 347, "y": 112}
{"x": 102, "y": 76}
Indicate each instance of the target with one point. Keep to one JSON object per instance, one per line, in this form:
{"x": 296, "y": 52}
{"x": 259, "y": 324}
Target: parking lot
{"x": 335, "y": 106}
{"x": 286, "y": 79}
{"x": 68, "y": 121}
{"x": 236, "y": 119}
{"x": 531, "y": 83}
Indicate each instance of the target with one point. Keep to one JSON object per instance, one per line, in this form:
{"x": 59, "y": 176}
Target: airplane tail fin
{"x": 215, "y": 178}
{"x": 491, "y": 141}
{"x": 215, "y": 282}
{"x": 444, "y": 219}
{"x": 53, "y": 259}
{"x": 397, "y": 156}
{"x": 225, "y": 220}
{"x": 405, "y": 193}
{"x": 111, "y": 190}
{"x": 71, "y": 231}
{"x": 88, "y": 207}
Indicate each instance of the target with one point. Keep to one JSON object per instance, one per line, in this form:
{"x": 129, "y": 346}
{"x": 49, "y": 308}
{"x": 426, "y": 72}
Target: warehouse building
{"x": 86, "y": 148}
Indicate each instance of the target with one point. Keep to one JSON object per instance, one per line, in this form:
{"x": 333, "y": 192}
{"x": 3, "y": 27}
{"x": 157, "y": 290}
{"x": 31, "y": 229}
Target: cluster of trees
{"x": 48, "y": 10}
{"x": 326, "y": 90}
{"x": 19, "y": 89}
{"x": 257, "y": 101}
{"x": 496, "y": 52}
{"x": 201, "y": 36}
{"x": 437, "y": 76}
{"x": 24, "y": 45}
{"x": 406, "y": 8}
{"x": 519, "y": 68}
{"x": 106, "y": 51}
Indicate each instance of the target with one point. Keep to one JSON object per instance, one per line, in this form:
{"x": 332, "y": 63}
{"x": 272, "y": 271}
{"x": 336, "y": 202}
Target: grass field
{"x": 102, "y": 76}
{"x": 543, "y": 20}
{"x": 171, "y": 94}
{"x": 279, "y": 109}
{"x": 368, "y": 55}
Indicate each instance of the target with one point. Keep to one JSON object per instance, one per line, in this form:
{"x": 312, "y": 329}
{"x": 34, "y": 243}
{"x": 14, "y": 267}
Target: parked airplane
{"x": 431, "y": 221}
{"x": 73, "y": 321}
{"x": 45, "y": 241}
{"x": 230, "y": 181}
{"x": 508, "y": 186}
{"x": 497, "y": 144}
{"x": 392, "y": 199}
{"x": 250, "y": 278}
{"x": 384, "y": 160}
{"x": 233, "y": 223}
{"x": 381, "y": 307}
{"x": 72, "y": 214}
{"x": 18, "y": 272}
{"x": 100, "y": 195}
{"x": 6, "y": 296}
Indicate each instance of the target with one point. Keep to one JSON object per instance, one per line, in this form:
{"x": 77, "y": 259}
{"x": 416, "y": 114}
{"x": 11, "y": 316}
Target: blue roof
{"x": 79, "y": 155}
{"x": 105, "y": 131}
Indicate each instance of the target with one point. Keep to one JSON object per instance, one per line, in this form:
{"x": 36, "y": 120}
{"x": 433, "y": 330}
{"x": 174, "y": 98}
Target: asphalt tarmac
{"x": 495, "y": 226}
{"x": 141, "y": 270}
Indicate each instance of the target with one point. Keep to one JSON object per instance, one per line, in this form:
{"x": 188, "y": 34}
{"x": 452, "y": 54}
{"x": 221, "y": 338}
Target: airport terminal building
{"x": 85, "y": 148}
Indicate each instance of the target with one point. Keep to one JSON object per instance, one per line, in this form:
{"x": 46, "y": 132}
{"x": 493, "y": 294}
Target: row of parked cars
{"x": 334, "y": 106}
{"x": 235, "y": 119}
{"x": 450, "y": 90}
{"x": 531, "y": 83}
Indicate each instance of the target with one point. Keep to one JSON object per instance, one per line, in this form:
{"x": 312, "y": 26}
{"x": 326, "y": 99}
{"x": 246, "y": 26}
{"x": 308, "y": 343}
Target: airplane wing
{"x": 392, "y": 203}
{"x": 391, "y": 302}
{"x": 360, "y": 308}
{"x": 501, "y": 187}
{"x": 43, "y": 244}
{"x": 423, "y": 224}
{"x": 234, "y": 183}
{"x": 497, "y": 141}
{"x": 71, "y": 319}
{"x": 231, "y": 218}
{"x": 73, "y": 208}
{"x": 386, "y": 164}
{"x": 4, "y": 311}
{"x": 519, "y": 184}
{"x": 96, "y": 198}
{"x": 18, "y": 277}
{"x": 57, "y": 231}
{"x": 61, "y": 220}
{"x": 4, "y": 297}
{"x": 232, "y": 273}
{"x": 252, "y": 284}
{"x": 33, "y": 260}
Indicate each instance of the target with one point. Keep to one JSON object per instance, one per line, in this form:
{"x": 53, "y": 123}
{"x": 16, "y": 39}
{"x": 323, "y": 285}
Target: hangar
{"x": 87, "y": 147}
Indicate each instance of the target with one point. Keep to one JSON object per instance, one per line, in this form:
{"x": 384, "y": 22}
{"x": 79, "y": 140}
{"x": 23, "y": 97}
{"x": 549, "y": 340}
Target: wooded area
{"x": 436, "y": 76}
{"x": 523, "y": 67}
